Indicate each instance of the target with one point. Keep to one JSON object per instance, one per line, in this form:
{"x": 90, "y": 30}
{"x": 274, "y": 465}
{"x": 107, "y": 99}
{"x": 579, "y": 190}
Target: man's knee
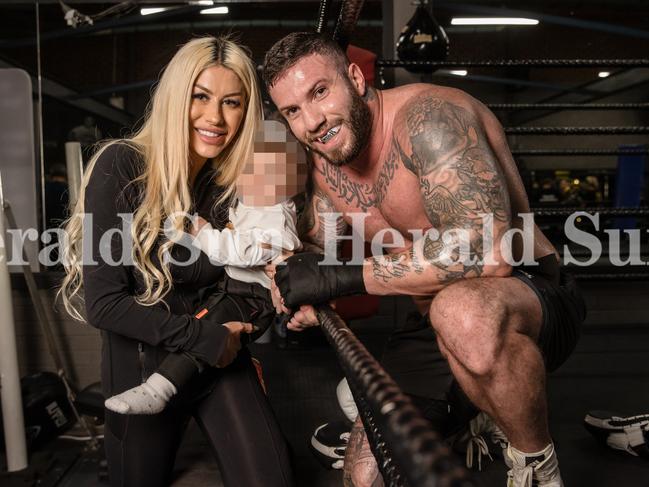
{"x": 470, "y": 327}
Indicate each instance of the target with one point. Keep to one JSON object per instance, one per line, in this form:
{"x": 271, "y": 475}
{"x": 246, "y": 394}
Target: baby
{"x": 262, "y": 227}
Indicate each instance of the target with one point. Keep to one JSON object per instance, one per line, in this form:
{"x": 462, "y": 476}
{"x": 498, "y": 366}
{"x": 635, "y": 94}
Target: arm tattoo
{"x": 447, "y": 138}
{"x": 323, "y": 206}
{"x": 460, "y": 180}
{"x": 386, "y": 267}
{"x": 314, "y": 227}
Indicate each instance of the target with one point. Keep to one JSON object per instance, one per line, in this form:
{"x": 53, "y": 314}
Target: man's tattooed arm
{"x": 462, "y": 187}
{"x": 316, "y": 224}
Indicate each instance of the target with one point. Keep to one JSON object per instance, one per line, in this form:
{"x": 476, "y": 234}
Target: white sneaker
{"x": 629, "y": 434}
{"x": 539, "y": 469}
{"x": 481, "y": 429}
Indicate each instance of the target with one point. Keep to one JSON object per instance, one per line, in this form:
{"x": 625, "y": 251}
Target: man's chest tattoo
{"x": 386, "y": 175}
{"x": 361, "y": 195}
{"x": 351, "y": 192}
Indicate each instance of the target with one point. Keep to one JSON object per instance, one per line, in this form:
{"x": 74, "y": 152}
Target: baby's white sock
{"x": 151, "y": 397}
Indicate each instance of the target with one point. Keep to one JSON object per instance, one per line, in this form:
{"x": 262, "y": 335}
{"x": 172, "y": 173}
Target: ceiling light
{"x": 215, "y": 10}
{"x": 604, "y": 74}
{"x": 493, "y": 21}
{"x": 201, "y": 2}
{"x": 151, "y": 10}
{"x": 458, "y": 72}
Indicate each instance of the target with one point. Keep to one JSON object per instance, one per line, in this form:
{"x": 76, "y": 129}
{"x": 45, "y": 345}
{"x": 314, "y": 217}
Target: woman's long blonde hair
{"x": 163, "y": 144}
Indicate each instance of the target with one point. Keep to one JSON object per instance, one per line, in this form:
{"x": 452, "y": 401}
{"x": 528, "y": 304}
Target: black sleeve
{"x": 109, "y": 289}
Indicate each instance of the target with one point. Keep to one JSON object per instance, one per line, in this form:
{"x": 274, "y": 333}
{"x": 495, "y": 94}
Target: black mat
{"x": 609, "y": 370}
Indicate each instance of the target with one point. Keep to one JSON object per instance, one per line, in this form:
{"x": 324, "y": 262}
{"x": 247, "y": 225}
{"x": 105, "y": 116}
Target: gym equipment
{"x": 46, "y": 327}
{"x": 18, "y": 166}
{"x": 74, "y": 165}
{"x": 422, "y": 39}
{"x": 47, "y": 412}
{"x": 12, "y": 418}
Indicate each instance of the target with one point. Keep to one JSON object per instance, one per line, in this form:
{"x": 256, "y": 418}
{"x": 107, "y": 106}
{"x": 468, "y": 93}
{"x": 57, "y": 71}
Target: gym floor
{"x": 609, "y": 370}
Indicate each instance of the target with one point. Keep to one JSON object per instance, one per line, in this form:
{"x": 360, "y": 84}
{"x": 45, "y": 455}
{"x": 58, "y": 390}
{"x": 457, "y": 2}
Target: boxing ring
{"x": 408, "y": 450}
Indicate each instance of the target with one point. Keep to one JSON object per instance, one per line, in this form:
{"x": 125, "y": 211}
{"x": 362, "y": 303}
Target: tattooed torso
{"x": 431, "y": 170}
{"x": 385, "y": 195}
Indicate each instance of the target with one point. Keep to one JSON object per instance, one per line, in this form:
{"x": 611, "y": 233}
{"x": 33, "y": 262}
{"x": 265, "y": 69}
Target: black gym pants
{"x": 235, "y": 417}
{"x": 226, "y": 300}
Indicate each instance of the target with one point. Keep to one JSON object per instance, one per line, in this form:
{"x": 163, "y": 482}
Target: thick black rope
{"x": 350, "y": 10}
{"x": 568, "y": 106}
{"x": 603, "y": 211}
{"x": 576, "y": 130}
{"x": 531, "y": 63}
{"x": 323, "y": 16}
{"x": 609, "y": 276}
{"x": 581, "y": 152}
{"x": 404, "y": 443}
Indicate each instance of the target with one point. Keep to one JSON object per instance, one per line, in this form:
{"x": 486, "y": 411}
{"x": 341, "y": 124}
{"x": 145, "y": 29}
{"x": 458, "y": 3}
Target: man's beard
{"x": 359, "y": 125}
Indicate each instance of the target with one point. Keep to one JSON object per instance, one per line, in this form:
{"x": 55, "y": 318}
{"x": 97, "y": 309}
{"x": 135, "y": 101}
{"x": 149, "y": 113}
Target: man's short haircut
{"x": 286, "y": 52}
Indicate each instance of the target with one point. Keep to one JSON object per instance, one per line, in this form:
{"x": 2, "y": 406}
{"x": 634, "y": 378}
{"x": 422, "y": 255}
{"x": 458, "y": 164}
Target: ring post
{"x": 11, "y": 398}
{"x": 74, "y": 163}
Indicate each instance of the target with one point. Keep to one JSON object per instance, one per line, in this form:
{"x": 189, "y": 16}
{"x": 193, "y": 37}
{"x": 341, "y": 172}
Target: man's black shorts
{"x": 563, "y": 311}
{"x": 414, "y": 361}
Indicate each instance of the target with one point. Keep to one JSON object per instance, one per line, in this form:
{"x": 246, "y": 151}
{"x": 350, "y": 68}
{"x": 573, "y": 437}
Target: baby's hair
{"x": 271, "y": 136}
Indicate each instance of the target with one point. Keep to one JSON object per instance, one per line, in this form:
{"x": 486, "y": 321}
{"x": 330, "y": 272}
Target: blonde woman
{"x": 141, "y": 288}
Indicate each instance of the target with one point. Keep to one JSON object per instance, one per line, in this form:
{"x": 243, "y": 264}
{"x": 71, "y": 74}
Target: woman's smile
{"x": 217, "y": 108}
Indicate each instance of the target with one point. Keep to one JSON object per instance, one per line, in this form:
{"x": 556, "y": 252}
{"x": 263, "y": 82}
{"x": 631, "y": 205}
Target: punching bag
{"x": 422, "y": 39}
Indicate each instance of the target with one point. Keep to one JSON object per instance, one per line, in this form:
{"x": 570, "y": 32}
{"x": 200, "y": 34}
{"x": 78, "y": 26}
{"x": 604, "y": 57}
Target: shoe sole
{"x": 602, "y": 424}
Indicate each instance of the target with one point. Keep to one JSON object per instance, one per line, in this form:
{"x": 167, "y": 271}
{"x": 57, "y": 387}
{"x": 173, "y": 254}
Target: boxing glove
{"x": 303, "y": 280}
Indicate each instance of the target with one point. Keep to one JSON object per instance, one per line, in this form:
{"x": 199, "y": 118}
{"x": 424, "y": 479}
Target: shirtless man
{"x": 423, "y": 157}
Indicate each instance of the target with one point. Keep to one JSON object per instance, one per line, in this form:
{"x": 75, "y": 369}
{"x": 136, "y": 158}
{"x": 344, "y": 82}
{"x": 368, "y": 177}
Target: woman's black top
{"x": 136, "y": 337}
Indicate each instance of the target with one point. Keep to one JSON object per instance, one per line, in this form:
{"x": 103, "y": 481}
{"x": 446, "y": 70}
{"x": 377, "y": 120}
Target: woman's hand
{"x": 232, "y": 347}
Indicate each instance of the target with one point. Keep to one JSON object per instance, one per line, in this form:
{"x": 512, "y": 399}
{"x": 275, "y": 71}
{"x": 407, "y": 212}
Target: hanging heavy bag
{"x": 422, "y": 39}
{"x": 46, "y": 408}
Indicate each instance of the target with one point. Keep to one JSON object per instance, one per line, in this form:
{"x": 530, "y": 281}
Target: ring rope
{"x": 609, "y": 276}
{"x": 350, "y": 10}
{"x": 629, "y": 151}
{"x": 603, "y": 211}
{"x": 528, "y": 63}
{"x": 407, "y": 445}
{"x": 632, "y": 130}
{"x": 568, "y": 106}
{"x": 323, "y": 16}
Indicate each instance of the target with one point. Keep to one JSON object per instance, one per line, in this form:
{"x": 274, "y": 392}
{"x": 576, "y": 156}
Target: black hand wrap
{"x": 302, "y": 280}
